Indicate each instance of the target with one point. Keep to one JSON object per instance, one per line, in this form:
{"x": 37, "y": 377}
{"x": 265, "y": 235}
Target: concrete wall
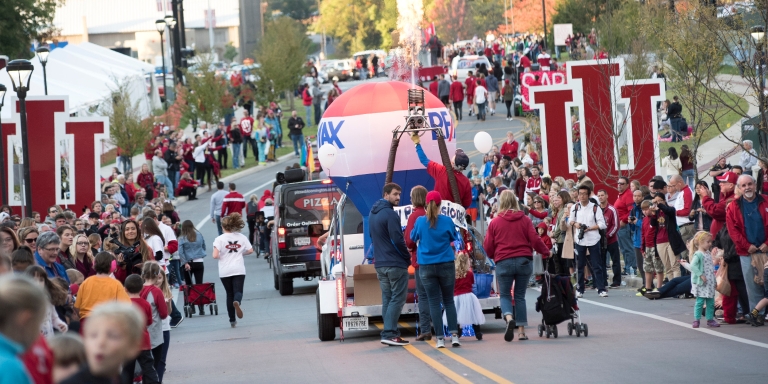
{"x": 251, "y": 26}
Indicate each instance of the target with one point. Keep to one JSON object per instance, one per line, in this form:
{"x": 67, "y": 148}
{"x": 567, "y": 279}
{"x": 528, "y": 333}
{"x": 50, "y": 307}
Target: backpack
{"x": 553, "y": 301}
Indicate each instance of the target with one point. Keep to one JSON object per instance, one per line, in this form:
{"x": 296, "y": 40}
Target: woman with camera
{"x": 514, "y": 259}
{"x": 132, "y": 251}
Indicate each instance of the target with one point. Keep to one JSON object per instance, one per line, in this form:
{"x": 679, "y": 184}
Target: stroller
{"x": 557, "y": 303}
{"x": 200, "y": 295}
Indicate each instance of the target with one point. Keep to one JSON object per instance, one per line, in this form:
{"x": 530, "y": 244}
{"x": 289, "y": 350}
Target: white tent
{"x": 88, "y": 73}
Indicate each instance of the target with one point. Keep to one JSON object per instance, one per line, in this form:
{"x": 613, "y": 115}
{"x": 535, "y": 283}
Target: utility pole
{"x": 210, "y": 25}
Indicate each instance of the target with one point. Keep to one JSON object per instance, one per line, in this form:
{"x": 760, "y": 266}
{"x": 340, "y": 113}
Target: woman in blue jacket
{"x": 192, "y": 253}
{"x": 435, "y": 234}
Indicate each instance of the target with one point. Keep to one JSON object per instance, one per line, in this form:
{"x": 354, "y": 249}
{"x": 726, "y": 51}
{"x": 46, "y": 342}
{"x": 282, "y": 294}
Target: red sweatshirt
{"x": 649, "y": 238}
{"x": 624, "y": 204}
{"x": 39, "y": 362}
{"x": 464, "y": 285}
{"x": 146, "y": 309}
{"x": 510, "y": 150}
{"x": 544, "y": 237}
{"x": 438, "y": 172}
{"x": 499, "y": 245}
{"x": 433, "y": 88}
{"x": 611, "y": 223}
{"x": 716, "y": 210}
{"x": 457, "y": 91}
{"x": 734, "y": 219}
{"x": 145, "y": 179}
{"x": 412, "y": 246}
{"x": 233, "y": 202}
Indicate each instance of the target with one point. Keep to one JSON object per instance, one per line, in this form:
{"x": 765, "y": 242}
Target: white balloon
{"x": 483, "y": 142}
{"x": 327, "y": 155}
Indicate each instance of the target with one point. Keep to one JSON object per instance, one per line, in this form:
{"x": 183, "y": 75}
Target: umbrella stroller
{"x": 557, "y": 303}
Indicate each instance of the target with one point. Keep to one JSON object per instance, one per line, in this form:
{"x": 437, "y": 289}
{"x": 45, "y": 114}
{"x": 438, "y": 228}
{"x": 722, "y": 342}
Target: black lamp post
{"x": 2, "y": 151}
{"x": 20, "y": 72}
{"x": 160, "y": 25}
{"x": 42, "y": 55}
{"x": 173, "y": 33}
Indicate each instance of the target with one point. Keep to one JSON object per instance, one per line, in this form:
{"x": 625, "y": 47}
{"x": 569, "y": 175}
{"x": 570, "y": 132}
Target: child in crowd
{"x": 21, "y": 259}
{"x": 651, "y": 261}
{"x": 468, "y": 309}
{"x": 165, "y": 287}
{"x": 99, "y": 288}
{"x": 113, "y": 335}
{"x": 703, "y": 278}
{"x": 76, "y": 278}
{"x": 69, "y": 355}
{"x": 152, "y": 274}
{"x": 542, "y": 230}
{"x": 133, "y": 286}
{"x": 755, "y": 317}
{"x": 56, "y": 296}
{"x": 23, "y": 306}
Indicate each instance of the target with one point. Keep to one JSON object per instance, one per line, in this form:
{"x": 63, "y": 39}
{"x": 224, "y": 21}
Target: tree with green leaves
{"x": 22, "y": 21}
{"x": 295, "y": 9}
{"x": 230, "y": 52}
{"x": 128, "y": 130}
{"x": 281, "y": 54}
{"x": 205, "y": 96}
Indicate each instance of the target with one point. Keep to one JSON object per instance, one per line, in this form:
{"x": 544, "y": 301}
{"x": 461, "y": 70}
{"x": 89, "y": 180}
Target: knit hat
{"x": 434, "y": 196}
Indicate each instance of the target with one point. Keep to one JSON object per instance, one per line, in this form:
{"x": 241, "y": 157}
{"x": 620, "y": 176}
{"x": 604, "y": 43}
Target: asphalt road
{"x": 631, "y": 339}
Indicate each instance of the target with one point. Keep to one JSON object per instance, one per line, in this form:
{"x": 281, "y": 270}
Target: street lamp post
{"x": 160, "y": 25}
{"x": 20, "y": 72}
{"x": 4, "y": 201}
{"x": 42, "y": 55}
{"x": 758, "y": 33}
{"x": 544, "y": 18}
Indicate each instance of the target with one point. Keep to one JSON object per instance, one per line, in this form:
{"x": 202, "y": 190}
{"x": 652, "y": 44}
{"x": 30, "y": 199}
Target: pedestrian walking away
{"x": 229, "y": 250}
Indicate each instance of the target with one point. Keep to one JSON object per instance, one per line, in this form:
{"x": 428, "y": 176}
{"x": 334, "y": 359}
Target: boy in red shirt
{"x": 651, "y": 261}
{"x": 133, "y": 286}
{"x": 542, "y": 229}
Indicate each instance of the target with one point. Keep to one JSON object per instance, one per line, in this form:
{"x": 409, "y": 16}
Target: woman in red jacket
{"x": 514, "y": 259}
{"x": 418, "y": 199}
{"x": 188, "y": 186}
{"x": 145, "y": 178}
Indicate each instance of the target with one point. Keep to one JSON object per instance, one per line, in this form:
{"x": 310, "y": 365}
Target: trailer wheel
{"x": 286, "y": 286}
{"x": 326, "y": 323}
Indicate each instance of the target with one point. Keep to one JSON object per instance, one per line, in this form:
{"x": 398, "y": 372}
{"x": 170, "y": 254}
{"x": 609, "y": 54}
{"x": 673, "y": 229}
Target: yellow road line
{"x": 433, "y": 363}
{"x": 494, "y": 377}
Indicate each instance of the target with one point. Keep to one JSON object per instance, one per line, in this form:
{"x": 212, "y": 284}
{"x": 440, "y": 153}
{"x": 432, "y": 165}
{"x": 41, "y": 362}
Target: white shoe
{"x": 440, "y": 342}
{"x": 455, "y": 341}
{"x": 603, "y": 294}
{"x": 579, "y": 295}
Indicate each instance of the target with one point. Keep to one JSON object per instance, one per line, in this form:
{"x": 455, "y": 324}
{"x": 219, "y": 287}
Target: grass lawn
{"x": 725, "y": 121}
{"x": 288, "y": 144}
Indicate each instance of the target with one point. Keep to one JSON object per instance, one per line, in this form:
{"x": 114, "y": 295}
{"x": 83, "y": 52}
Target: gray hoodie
{"x": 159, "y": 166}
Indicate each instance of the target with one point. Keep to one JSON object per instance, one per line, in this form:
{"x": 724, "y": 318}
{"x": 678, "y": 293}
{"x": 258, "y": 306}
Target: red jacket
{"x": 624, "y": 203}
{"x": 716, "y": 211}
{"x": 412, "y": 246}
{"x": 525, "y": 62}
{"x": 471, "y": 83}
{"x": 510, "y": 150}
{"x": 438, "y": 172}
{"x": 130, "y": 189}
{"x": 457, "y": 91}
{"x": 39, "y": 362}
{"x": 144, "y": 307}
{"x": 464, "y": 285}
{"x": 306, "y": 97}
{"x": 649, "y": 235}
{"x": 735, "y": 222}
{"x": 499, "y": 245}
{"x": 433, "y": 88}
{"x": 233, "y": 202}
{"x": 544, "y": 237}
{"x": 612, "y": 223}
{"x": 145, "y": 179}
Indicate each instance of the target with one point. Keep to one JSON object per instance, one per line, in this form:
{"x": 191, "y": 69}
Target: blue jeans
{"x": 236, "y": 153}
{"x": 167, "y": 182}
{"x": 754, "y": 291}
{"x": 481, "y": 110}
{"x": 425, "y": 321}
{"x": 308, "y": 112}
{"x": 577, "y": 150}
{"x": 318, "y": 113}
{"x": 298, "y": 143}
{"x": 613, "y": 252}
{"x": 517, "y": 270}
{"x": 394, "y": 290}
{"x": 598, "y": 274}
{"x": 439, "y": 280}
{"x": 689, "y": 177}
{"x": 627, "y": 248}
{"x": 218, "y": 224}
{"x": 676, "y": 287}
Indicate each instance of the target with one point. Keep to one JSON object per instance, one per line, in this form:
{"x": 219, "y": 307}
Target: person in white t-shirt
{"x": 229, "y": 250}
{"x": 481, "y": 100}
{"x": 154, "y": 238}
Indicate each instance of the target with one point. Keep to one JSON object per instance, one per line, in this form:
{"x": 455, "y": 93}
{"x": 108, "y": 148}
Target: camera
{"x": 129, "y": 253}
{"x": 581, "y": 233}
{"x": 632, "y": 218}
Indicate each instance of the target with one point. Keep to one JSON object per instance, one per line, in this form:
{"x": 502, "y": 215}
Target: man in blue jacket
{"x": 391, "y": 259}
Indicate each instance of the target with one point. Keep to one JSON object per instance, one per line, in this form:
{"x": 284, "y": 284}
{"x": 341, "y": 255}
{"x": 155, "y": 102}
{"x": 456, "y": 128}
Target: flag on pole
{"x": 310, "y": 158}
{"x": 429, "y": 31}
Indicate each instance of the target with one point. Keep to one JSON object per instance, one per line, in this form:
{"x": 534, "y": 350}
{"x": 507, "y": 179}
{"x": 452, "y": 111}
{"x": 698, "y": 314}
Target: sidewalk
{"x": 710, "y": 151}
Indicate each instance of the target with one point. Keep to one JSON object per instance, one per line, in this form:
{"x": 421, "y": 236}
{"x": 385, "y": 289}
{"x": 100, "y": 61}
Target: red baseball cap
{"x": 434, "y": 196}
{"x": 728, "y": 177}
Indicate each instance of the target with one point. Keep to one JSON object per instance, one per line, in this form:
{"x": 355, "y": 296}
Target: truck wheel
{"x": 277, "y": 281}
{"x": 326, "y": 323}
{"x": 286, "y": 286}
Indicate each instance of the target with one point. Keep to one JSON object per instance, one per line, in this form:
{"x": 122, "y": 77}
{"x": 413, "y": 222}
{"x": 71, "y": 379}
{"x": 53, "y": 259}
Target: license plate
{"x": 355, "y": 323}
{"x": 302, "y": 241}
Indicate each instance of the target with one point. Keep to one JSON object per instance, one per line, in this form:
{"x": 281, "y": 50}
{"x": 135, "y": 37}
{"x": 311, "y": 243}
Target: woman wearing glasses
{"x": 29, "y": 236}
{"x": 81, "y": 253}
{"x": 8, "y": 240}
